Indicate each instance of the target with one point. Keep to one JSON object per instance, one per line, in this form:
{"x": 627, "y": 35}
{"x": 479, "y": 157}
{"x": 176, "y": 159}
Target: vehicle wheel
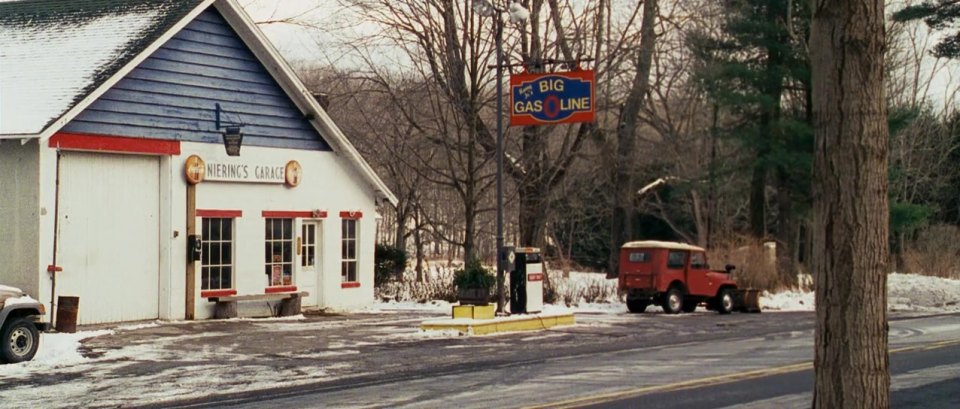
{"x": 725, "y": 302}
{"x": 637, "y": 306}
{"x": 690, "y": 306}
{"x": 673, "y": 301}
{"x": 18, "y": 341}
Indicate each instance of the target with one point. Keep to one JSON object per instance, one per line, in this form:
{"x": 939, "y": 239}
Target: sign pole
{"x": 500, "y": 275}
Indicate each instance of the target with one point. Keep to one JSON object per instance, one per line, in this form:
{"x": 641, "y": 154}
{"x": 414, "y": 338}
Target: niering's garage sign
{"x": 197, "y": 170}
{"x": 552, "y": 98}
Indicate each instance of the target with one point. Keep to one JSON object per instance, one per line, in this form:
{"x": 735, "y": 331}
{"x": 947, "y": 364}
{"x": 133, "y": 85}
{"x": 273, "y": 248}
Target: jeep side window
{"x": 639, "y": 256}
{"x": 676, "y": 259}
{"x": 698, "y": 261}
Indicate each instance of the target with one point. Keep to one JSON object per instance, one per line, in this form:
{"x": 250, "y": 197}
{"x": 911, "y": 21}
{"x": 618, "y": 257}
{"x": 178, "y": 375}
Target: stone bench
{"x": 226, "y": 306}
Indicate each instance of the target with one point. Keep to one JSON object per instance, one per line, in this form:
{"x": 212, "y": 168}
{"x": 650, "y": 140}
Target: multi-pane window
{"x": 676, "y": 259}
{"x": 639, "y": 256}
{"x": 279, "y": 251}
{"x": 308, "y": 255}
{"x": 216, "y": 262}
{"x": 698, "y": 260}
{"x": 348, "y": 252}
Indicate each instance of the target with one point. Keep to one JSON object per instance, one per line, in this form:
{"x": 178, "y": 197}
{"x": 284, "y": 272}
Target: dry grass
{"x": 935, "y": 252}
{"x": 755, "y": 261}
{"x": 595, "y": 288}
{"x": 438, "y": 287}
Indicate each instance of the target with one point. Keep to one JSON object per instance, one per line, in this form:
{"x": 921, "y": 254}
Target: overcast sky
{"x": 337, "y": 26}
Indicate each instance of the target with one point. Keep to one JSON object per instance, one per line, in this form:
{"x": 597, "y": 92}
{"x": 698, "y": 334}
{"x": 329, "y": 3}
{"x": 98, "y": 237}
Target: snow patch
{"x": 57, "y": 350}
{"x": 905, "y": 293}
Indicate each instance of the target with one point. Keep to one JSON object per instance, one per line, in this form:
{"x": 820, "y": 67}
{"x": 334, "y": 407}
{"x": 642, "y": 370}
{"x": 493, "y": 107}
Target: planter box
{"x": 473, "y": 296}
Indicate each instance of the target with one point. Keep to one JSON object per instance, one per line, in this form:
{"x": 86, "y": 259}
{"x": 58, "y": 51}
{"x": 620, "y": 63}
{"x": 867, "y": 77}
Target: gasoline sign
{"x": 552, "y": 98}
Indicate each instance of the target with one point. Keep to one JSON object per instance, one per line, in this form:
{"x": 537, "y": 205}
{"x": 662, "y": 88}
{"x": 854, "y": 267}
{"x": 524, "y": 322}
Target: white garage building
{"x": 112, "y": 155}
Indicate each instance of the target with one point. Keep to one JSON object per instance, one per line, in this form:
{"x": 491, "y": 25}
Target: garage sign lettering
{"x": 197, "y": 170}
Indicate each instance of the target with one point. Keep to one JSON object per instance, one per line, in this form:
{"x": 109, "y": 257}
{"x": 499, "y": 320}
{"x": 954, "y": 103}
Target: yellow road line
{"x": 711, "y": 381}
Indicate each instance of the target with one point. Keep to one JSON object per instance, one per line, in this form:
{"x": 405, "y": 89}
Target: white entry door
{"x": 309, "y": 264}
{"x": 109, "y": 235}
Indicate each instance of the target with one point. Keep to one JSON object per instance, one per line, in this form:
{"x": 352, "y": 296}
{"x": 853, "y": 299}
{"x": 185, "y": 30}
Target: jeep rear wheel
{"x": 673, "y": 301}
{"x": 725, "y": 301}
{"x": 637, "y": 305}
{"x": 18, "y": 341}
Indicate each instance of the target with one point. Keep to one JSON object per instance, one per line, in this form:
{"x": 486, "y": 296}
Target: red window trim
{"x": 226, "y": 214}
{"x": 347, "y": 214}
{"x": 217, "y": 293}
{"x": 294, "y": 214}
{"x": 280, "y": 289}
{"x": 109, "y": 143}
{"x": 350, "y": 284}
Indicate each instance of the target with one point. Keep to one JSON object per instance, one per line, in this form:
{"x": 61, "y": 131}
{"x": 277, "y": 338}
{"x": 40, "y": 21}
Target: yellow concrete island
{"x": 481, "y": 320}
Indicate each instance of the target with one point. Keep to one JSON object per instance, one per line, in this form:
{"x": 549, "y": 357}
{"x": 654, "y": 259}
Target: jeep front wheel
{"x": 725, "y": 302}
{"x": 19, "y": 341}
{"x": 673, "y": 301}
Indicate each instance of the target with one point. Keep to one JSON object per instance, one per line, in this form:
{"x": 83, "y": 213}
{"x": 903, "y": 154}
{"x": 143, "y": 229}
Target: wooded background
{"x": 704, "y": 129}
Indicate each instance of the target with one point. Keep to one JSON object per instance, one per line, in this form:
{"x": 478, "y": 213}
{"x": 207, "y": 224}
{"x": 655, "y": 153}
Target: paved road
{"x": 380, "y": 360}
{"x": 625, "y": 361}
{"x": 922, "y": 378}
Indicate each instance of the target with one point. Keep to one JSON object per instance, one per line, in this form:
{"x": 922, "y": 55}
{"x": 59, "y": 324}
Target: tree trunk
{"x": 850, "y": 222}
{"x": 418, "y": 242}
{"x": 758, "y": 198}
{"x": 400, "y": 226}
{"x": 786, "y": 230}
{"x": 621, "y": 224}
{"x": 533, "y": 213}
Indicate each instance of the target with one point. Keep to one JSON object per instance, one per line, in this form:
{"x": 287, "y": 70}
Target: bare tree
{"x": 850, "y": 229}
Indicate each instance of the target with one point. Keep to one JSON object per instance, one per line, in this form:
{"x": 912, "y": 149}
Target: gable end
{"x": 172, "y": 95}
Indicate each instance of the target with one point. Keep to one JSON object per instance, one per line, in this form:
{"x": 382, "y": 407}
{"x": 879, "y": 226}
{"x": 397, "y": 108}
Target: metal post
{"x": 500, "y": 275}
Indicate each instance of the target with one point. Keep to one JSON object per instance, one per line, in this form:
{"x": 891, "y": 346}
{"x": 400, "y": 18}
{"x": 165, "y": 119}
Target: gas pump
{"x": 526, "y": 281}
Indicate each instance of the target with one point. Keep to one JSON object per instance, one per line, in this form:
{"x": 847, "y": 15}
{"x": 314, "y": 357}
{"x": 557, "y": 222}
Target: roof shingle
{"x": 54, "y": 53}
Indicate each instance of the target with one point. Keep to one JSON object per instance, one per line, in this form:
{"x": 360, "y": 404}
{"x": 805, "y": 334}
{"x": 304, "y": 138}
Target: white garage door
{"x": 109, "y": 235}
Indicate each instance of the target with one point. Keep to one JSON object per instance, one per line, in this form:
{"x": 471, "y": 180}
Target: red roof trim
{"x": 352, "y": 284}
{"x": 219, "y": 213}
{"x": 351, "y": 214}
{"x": 280, "y": 289}
{"x": 293, "y": 214}
{"x": 217, "y": 293}
{"x": 106, "y": 143}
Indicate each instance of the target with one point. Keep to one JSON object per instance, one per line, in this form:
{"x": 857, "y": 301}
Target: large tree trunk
{"x": 621, "y": 224}
{"x": 850, "y": 229}
{"x": 786, "y": 230}
{"x": 758, "y": 199}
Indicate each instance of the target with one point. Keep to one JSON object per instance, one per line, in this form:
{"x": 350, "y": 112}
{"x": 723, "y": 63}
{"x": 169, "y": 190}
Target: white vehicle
{"x": 20, "y": 325}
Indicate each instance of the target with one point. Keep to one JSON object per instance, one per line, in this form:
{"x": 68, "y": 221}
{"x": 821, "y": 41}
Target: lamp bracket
{"x": 222, "y": 124}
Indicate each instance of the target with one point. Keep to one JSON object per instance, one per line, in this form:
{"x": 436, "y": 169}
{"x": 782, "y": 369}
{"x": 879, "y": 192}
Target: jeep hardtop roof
{"x": 662, "y": 245}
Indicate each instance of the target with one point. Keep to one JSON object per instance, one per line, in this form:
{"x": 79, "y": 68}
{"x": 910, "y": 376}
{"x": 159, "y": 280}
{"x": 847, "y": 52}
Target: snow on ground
{"x": 917, "y": 293}
{"x": 905, "y": 293}
{"x": 593, "y": 293}
{"x": 56, "y": 351}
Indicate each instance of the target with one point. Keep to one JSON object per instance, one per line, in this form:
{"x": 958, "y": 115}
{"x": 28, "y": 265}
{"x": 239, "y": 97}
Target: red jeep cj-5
{"x": 675, "y": 276}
